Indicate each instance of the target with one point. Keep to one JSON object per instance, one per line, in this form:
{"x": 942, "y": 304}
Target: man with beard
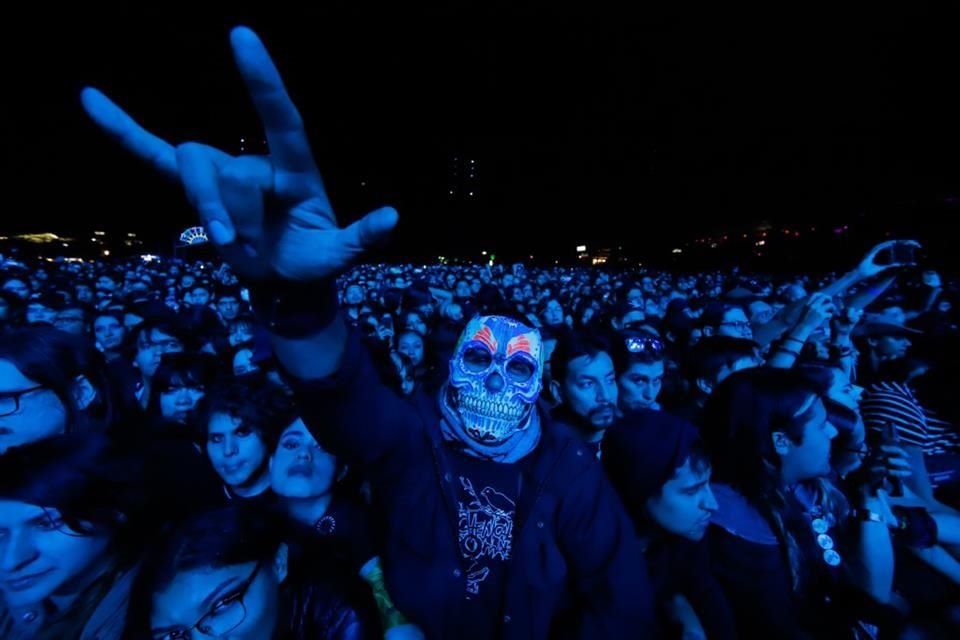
{"x": 498, "y": 524}
{"x": 585, "y": 382}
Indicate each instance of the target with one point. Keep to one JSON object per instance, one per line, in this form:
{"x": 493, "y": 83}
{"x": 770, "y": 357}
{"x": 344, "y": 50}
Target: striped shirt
{"x": 894, "y": 402}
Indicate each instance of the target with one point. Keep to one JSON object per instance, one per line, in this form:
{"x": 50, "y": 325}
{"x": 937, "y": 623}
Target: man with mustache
{"x": 585, "y": 382}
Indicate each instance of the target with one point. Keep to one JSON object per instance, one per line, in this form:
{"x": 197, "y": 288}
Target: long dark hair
{"x": 739, "y": 419}
{"x": 55, "y": 359}
{"x": 95, "y": 485}
{"x": 265, "y": 409}
{"x": 189, "y": 369}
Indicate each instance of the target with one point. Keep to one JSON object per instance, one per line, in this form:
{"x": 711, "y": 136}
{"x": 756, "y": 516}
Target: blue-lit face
{"x": 236, "y": 451}
{"x": 30, "y": 412}
{"x": 810, "y": 458}
{"x": 685, "y": 503}
{"x": 300, "y": 468}
{"x": 40, "y": 556}
{"x": 237, "y": 601}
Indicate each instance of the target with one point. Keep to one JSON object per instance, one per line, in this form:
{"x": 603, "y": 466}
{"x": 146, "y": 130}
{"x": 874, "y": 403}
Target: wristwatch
{"x": 865, "y": 515}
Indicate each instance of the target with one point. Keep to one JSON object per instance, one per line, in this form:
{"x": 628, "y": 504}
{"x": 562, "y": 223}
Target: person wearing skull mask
{"x": 499, "y": 525}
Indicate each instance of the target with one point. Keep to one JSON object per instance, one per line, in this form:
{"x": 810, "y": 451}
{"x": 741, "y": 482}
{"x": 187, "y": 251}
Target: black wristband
{"x": 293, "y": 309}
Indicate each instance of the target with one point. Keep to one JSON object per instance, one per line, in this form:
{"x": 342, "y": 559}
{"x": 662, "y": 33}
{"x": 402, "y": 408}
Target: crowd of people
{"x": 779, "y": 458}
{"x": 292, "y": 444}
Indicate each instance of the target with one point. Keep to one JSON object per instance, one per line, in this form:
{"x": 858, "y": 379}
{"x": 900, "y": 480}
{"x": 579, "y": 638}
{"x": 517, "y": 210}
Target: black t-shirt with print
{"x": 486, "y": 494}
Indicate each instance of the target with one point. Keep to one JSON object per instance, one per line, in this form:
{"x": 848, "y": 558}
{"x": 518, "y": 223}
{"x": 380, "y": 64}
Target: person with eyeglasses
{"x": 226, "y": 574}
{"x": 708, "y": 364}
{"x": 71, "y": 526}
{"x": 154, "y": 337}
{"x": 468, "y": 576}
{"x": 726, "y": 320}
{"x": 50, "y": 382}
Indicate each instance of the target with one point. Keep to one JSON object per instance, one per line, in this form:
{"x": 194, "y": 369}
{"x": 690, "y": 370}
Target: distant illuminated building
{"x": 463, "y": 177}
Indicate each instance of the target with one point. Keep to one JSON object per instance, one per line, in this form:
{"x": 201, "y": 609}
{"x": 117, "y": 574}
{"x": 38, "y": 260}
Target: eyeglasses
{"x": 647, "y": 344}
{"x": 225, "y": 615}
{"x": 177, "y": 388}
{"x": 10, "y": 400}
{"x": 166, "y": 346}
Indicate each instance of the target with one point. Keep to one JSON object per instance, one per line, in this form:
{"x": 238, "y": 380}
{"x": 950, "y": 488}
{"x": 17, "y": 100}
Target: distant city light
{"x": 99, "y": 233}
{"x": 581, "y": 248}
{"x": 149, "y": 257}
{"x": 483, "y": 253}
{"x": 106, "y": 252}
{"x": 679, "y": 250}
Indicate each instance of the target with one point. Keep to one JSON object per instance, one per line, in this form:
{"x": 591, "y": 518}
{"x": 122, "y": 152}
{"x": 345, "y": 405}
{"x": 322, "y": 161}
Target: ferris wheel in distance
{"x": 194, "y": 235}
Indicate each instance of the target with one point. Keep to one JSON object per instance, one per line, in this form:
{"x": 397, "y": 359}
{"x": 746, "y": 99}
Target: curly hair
{"x": 265, "y": 409}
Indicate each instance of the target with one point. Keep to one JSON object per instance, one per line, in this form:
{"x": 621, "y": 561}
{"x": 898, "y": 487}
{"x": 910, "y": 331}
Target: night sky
{"x": 622, "y": 123}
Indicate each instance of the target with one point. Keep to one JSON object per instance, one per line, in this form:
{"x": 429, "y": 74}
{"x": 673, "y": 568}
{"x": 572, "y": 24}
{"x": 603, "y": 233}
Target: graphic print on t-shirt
{"x": 486, "y": 531}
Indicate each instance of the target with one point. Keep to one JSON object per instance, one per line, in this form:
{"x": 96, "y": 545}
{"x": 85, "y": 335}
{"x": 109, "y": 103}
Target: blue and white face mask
{"x": 496, "y": 375}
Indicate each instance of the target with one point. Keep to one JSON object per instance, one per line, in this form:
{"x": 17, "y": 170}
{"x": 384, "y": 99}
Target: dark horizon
{"x": 635, "y": 124}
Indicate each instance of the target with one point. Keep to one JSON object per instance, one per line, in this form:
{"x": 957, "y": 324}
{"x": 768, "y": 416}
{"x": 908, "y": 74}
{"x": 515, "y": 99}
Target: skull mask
{"x": 495, "y": 377}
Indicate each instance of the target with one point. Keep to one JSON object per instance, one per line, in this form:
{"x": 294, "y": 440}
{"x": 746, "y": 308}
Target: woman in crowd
{"x": 109, "y": 333}
{"x": 70, "y": 538}
{"x": 794, "y": 555}
{"x": 50, "y": 382}
{"x": 180, "y": 383}
{"x": 307, "y": 482}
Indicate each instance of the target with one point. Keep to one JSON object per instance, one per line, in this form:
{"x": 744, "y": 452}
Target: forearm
{"x": 841, "y": 284}
{"x": 938, "y": 558}
{"x": 864, "y": 298}
{"x": 874, "y": 563}
{"x": 786, "y": 353}
{"x": 315, "y": 356}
